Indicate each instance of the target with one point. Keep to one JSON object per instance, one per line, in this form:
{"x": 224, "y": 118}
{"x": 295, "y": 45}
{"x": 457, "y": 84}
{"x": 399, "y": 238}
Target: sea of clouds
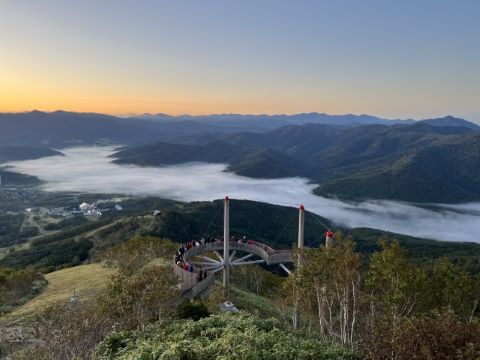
{"x": 89, "y": 169}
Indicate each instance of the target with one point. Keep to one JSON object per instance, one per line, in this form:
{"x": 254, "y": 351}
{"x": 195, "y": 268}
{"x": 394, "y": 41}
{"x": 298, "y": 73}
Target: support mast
{"x": 301, "y": 233}
{"x": 301, "y": 226}
{"x": 226, "y": 244}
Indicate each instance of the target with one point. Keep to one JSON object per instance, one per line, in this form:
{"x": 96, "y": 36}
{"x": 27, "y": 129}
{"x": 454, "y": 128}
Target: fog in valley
{"x": 89, "y": 169}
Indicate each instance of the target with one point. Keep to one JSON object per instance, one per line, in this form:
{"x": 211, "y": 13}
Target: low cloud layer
{"x": 89, "y": 169}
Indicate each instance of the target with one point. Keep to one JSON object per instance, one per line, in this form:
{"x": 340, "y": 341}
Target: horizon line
{"x": 133, "y": 115}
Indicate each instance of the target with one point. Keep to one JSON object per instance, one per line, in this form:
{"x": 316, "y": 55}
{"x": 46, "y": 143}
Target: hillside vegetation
{"x": 87, "y": 280}
{"x": 386, "y": 308}
{"x": 18, "y": 286}
{"x": 420, "y": 162}
{"x": 222, "y": 336}
{"x": 16, "y": 153}
{"x": 10, "y": 178}
{"x": 182, "y": 222}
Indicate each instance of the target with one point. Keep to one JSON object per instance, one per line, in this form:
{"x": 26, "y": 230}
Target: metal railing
{"x": 190, "y": 279}
{"x": 268, "y": 254}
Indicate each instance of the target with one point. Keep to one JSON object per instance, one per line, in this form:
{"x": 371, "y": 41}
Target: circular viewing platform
{"x": 193, "y": 284}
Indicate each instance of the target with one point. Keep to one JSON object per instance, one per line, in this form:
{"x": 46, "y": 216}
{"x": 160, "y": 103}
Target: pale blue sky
{"x": 388, "y": 58}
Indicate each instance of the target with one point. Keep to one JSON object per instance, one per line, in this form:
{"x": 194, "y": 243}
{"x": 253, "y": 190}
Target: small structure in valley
{"x": 90, "y": 210}
{"x": 84, "y": 207}
{"x": 227, "y": 306}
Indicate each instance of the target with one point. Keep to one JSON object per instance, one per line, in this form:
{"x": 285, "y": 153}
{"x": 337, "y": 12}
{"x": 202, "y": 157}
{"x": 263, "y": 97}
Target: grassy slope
{"x": 251, "y": 302}
{"x": 88, "y": 280}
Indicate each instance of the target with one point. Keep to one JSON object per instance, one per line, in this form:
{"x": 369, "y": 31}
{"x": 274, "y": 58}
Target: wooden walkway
{"x": 192, "y": 287}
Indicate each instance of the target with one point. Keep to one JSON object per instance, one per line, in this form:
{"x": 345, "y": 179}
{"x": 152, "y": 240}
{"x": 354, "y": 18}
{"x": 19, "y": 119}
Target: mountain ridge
{"x": 397, "y": 162}
{"x": 62, "y": 128}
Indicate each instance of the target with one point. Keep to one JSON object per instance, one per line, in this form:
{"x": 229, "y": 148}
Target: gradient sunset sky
{"x": 395, "y": 59}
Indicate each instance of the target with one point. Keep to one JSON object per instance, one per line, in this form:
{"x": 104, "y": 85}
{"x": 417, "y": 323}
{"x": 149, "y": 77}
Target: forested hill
{"x": 420, "y": 162}
{"x": 274, "y": 225}
{"x": 16, "y": 153}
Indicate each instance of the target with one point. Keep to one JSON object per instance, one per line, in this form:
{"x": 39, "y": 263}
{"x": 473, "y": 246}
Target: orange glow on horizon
{"x": 122, "y": 106}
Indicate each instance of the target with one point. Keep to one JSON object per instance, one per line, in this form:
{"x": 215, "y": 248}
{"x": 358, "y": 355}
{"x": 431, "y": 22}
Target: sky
{"x": 89, "y": 169}
{"x": 395, "y": 59}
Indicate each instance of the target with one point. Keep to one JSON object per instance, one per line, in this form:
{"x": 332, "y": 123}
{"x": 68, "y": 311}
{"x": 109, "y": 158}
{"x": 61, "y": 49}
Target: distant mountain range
{"x": 417, "y": 162}
{"x": 60, "y": 128}
{"x": 269, "y": 122}
{"x": 351, "y": 156}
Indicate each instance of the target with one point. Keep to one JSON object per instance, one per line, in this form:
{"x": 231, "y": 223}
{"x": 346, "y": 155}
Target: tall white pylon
{"x": 301, "y": 235}
{"x": 226, "y": 244}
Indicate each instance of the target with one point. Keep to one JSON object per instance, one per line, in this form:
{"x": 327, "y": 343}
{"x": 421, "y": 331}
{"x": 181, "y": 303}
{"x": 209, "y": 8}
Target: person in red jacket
{"x": 329, "y": 237}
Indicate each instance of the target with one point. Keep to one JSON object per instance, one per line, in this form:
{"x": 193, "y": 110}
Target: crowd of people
{"x": 182, "y": 263}
{"x": 202, "y": 274}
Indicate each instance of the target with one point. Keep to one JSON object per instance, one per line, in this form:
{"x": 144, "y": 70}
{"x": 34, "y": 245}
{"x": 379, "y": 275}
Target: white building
{"x": 86, "y": 207}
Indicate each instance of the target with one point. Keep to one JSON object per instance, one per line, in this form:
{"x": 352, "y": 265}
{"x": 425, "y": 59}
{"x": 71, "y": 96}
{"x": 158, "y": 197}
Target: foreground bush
{"x": 18, "y": 286}
{"x": 225, "y": 336}
{"x": 64, "y": 332}
{"x": 190, "y": 309}
{"x": 439, "y": 336}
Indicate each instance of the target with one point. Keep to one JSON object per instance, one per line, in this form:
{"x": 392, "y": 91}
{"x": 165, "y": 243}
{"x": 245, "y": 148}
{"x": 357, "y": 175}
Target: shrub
{"x": 192, "y": 310}
{"x": 225, "y": 336}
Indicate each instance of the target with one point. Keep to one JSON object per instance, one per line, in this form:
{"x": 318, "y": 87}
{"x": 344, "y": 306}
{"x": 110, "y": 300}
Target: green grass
{"x": 88, "y": 281}
{"x": 251, "y": 302}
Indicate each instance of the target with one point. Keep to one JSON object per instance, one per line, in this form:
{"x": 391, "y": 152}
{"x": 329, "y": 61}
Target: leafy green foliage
{"x": 141, "y": 291}
{"x": 257, "y": 280}
{"x": 137, "y": 252}
{"x": 328, "y": 280}
{"x": 18, "y": 286}
{"x": 190, "y": 309}
{"x": 438, "y": 336}
{"x": 397, "y": 310}
{"x": 145, "y": 296}
{"x": 454, "y": 289}
{"x": 394, "y": 282}
{"x": 223, "y": 336}
{"x": 66, "y": 331}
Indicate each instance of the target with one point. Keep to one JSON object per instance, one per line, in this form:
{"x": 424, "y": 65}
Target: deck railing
{"x": 268, "y": 254}
{"x": 190, "y": 279}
